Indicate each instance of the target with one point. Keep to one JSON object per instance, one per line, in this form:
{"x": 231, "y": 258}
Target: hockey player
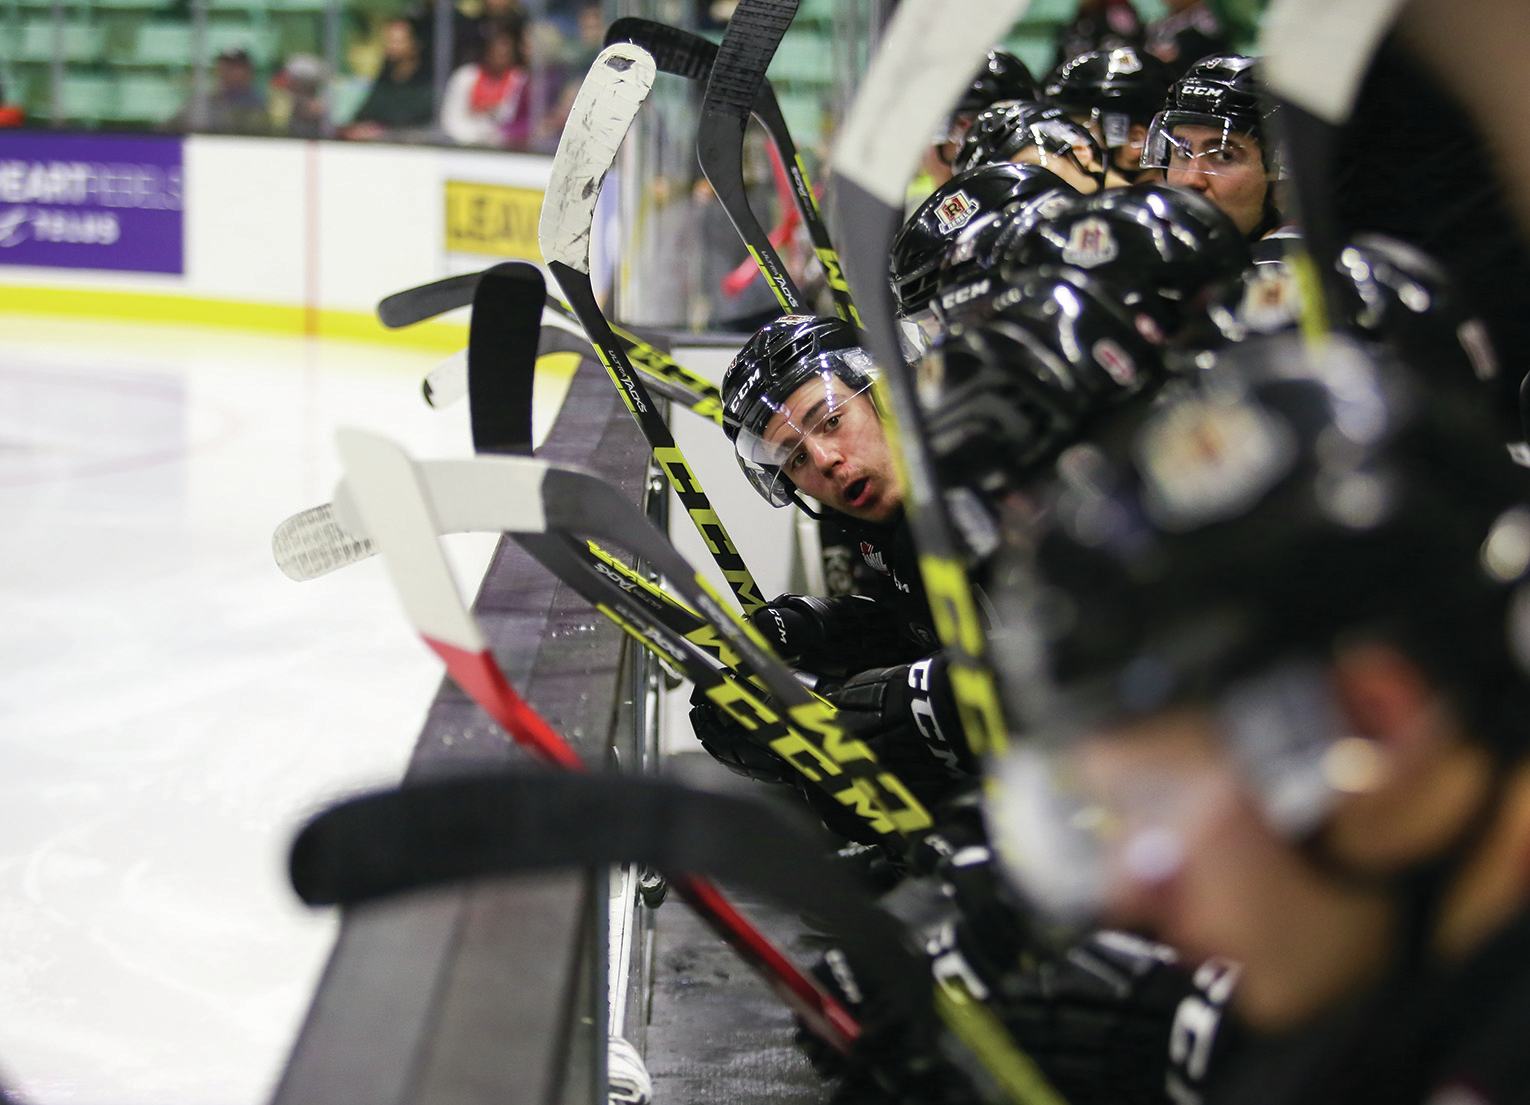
{"x": 1002, "y": 77}
{"x": 1035, "y": 134}
{"x": 1211, "y": 138}
{"x": 1276, "y": 679}
{"x": 1116, "y": 93}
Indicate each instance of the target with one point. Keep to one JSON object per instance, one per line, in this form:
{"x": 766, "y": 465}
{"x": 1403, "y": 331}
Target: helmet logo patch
{"x": 1090, "y": 244}
{"x": 1205, "y": 461}
{"x": 1125, "y": 61}
{"x": 873, "y": 557}
{"x": 1116, "y": 362}
{"x": 1271, "y": 300}
{"x": 956, "y": 211}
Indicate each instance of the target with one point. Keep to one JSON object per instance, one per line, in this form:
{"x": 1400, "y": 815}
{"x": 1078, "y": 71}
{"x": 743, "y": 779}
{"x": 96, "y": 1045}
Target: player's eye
{"x": 832, "y": 422}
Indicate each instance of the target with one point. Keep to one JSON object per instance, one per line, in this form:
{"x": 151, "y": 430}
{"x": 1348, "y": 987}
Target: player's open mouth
{"x": 856, "y": 491}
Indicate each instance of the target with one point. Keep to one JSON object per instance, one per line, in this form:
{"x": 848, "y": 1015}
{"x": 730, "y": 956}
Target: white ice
{"x": 171, "y": 706}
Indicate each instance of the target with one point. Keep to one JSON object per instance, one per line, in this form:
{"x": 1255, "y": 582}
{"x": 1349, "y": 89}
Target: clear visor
{"x": 1189, "y": 142}
{"x": 1088, "y": 818}
{"x": 827, "y": 407}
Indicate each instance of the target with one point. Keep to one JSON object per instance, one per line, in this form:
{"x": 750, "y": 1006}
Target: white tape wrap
{"x": 448, "y": 381}
{"x": 608, "y": 101}
{"x": 929, "y": 54}
{"x": 1316, "y": 51}
{"x": 395, "y": 512}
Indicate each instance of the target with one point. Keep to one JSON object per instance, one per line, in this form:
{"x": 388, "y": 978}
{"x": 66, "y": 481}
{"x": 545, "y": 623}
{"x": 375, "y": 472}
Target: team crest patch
{"x": 1092, "y": 243}
{"x": 1271, "y": 300}
{"x": 1203, "y": 461}
{"x": 956, "y": 211}
{"x": 873, "y": 557}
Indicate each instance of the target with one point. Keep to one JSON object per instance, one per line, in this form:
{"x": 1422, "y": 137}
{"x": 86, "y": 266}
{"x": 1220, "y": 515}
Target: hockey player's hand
{"x": 733, "y": 746}
{"x": 832, "y": 636}
{"x": 907, "y": 715}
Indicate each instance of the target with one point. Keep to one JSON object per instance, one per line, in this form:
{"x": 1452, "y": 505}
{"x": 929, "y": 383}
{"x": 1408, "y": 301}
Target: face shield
{"x": 1192, "y": 142}
{"x": 1084, "y": 813}
{"x": 826, "y": 410}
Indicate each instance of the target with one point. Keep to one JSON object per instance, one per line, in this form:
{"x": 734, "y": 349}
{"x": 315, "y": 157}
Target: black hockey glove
{"x": 1117, "y": 1020}
{"x": 833, "y": 636}
{"x": 733, "y": 746}
{"x": 907, "y": 715}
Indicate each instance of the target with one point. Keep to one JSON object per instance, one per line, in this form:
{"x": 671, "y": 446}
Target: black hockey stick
{"x": 924, "y": 61}
{"x": 524, "y": 496}
{"x": 396, "y": 511}
{"x": 688, "y": 55}
{"x": 390, "y": 842}
{"x": 603, "y": 111}
{"x": 673, "y": 381}
{"x": 736, "y": 84}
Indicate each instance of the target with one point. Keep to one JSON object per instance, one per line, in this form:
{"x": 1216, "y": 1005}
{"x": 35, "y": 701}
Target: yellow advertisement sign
{"x": 494, "y": 219}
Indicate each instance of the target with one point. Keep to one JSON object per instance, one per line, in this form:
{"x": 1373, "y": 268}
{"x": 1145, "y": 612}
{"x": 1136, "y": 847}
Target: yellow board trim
{"x": 157, "y": 307}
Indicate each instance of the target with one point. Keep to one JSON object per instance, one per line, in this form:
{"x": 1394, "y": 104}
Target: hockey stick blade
{"x": 394, "y": 507}
{"x": 738, "y": 77}
{"x": 503, "y": 338}
{"x": 447, "y": 382}
{"x": 390, "y": 842}
{"x": 427, "y": 301}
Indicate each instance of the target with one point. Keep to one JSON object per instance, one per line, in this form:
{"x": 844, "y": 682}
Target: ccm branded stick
{"x": 925, "y": 60}
{"x": 688, "y": 55}
{"x": 672, "y": 380}
{"x": 524, "y": 496}
{"x": 396, "y": 511}
{"x": 603, "y": 111}
{"x": 736, "y": 83}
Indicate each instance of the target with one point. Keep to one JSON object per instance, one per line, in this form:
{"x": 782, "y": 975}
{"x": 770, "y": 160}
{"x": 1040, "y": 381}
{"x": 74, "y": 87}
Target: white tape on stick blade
{"x": 603, "y": 111}
{"x": 1316, "y": 52}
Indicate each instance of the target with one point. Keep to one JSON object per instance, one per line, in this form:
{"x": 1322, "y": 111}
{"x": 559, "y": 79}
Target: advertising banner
{"x": 493, "y": 219}
{"x": 85, "y": 201}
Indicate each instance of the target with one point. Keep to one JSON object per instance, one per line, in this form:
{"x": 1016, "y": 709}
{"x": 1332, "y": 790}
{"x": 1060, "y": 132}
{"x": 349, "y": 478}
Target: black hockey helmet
{"x": 1044, "y": 134}
{"x": 968, "y": 269}
{"x": 1114, "y": 88}
{"x": 1160, "y": 249}
{"x": 1214, "y": 549}
{"x": 775, "y": 364}
{"x": 1024, "y": 373}
{"x": 929, "y": 234}
{"x": 1221, "y": 92}
{"x": 1002, "y": 77}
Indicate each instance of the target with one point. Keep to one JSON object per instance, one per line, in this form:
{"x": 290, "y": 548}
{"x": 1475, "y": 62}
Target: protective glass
{"x": 1071, "y": 823}
{"x": 1207, "y": 145}
{"x": 826, "y": 407}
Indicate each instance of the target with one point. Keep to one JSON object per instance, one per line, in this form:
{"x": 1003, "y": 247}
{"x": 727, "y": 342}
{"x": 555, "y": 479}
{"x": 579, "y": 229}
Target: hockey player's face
{"x": 1226, "y": 168}
{"x": 1195, "y": 863}
{"x": 843, "y": 460}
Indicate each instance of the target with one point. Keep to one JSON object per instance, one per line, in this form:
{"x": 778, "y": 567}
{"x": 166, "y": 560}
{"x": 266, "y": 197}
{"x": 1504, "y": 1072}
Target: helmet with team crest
{"x": 1036, "y": 134}
{"x": 1160, "y": 249}
{"x": 929, "y": 235}
{"x": 1026, "y": 372}
{"x": 1116, "y": 92}
{"x": 798, "y": 407}
{"x": 1002, "y": 76}
{"x": 969, "y": 269}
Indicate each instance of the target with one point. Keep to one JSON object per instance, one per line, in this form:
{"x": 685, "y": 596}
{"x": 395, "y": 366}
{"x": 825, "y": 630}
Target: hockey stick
{"x": 688, "y": 55}
{"x": 524, "y": 496}
{"x": 447, "y": 382}
{"x": 390, "y": 842}
{"x": 1315, "y": 58}
{"x": 396, "y": 511}
{"x": 603, "y": 111}
{"x": 736, "y": 84}
{"x": 925, "y": 60}
{"x": 673, "y": 381}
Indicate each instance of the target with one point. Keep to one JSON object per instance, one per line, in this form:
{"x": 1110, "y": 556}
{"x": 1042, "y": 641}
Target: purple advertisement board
{"x": 84, "y": 201}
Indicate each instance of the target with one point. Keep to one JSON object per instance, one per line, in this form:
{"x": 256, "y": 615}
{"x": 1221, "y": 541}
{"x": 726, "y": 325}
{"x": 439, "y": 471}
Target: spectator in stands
{"x": 235, "y": 105}
{"x": 1188, "y": 32}
{"x": 592, "y": 36}
{"x": 11, "y": 115}
{"x": 1098, "y": 25}
{"x": 300, "y": 101}
{"x": 400, "y": 98}
{"x": 467, "y": 44}
{"x": 495, "y": 14}
{"x": 486, "y": 102}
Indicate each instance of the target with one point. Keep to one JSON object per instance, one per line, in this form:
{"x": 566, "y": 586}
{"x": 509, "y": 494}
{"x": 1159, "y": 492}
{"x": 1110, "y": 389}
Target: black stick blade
{"x": 753, "y": 36}
{"x": 502, "y": 356}
{"x": 414, "y": 305}
{"x": 679, "y": 53}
